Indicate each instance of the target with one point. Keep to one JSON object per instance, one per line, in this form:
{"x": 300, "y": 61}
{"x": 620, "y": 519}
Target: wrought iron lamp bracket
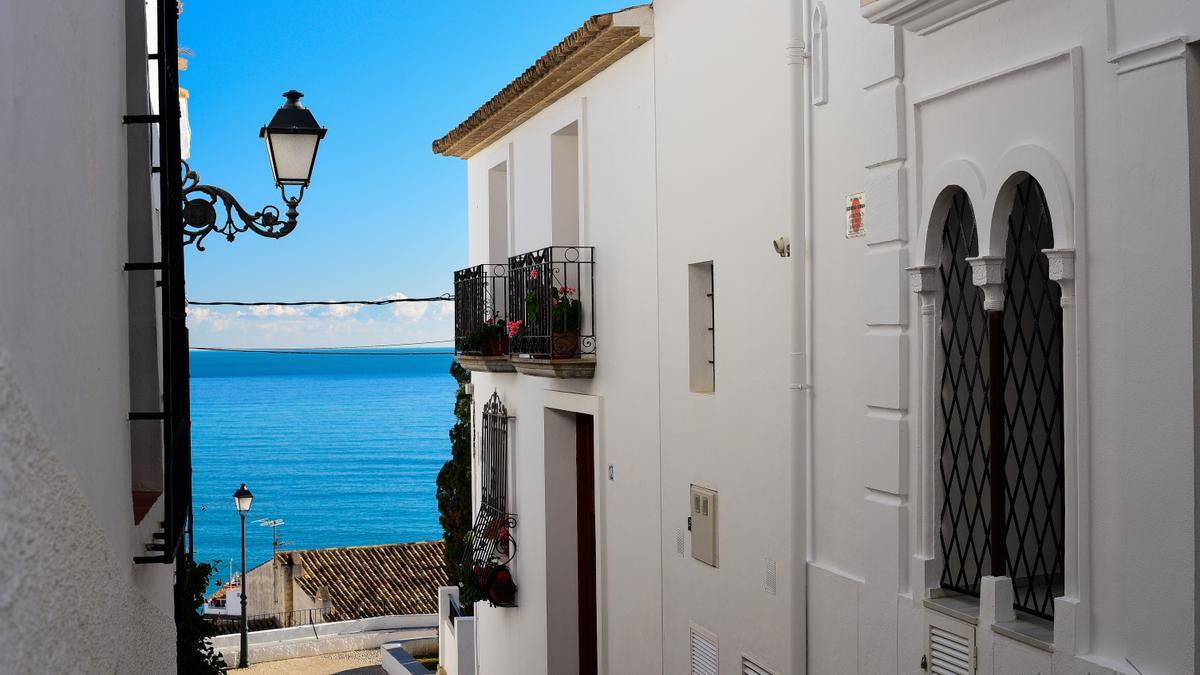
{"x": 200, "y": 213}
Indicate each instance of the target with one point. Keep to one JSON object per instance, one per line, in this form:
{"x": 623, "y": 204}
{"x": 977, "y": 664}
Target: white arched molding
{"x": 935, "y": 203}
{"x": 1018, "y": 162}
{"x": 925, "y": 281}
{"x": 819, "y": 69}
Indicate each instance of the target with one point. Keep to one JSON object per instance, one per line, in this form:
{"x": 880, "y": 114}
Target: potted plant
{"x": 492, "y": 338}
{"x": 499, "y": 586}
{"x": 566, "y": 322}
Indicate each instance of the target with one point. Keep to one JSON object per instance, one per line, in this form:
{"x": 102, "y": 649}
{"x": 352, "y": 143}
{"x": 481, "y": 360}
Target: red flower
{"x": 533, "y": 273}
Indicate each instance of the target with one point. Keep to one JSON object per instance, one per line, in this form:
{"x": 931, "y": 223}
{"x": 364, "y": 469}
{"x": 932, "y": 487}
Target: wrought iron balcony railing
{"x": 551, "y": 303}
{"x": 480, "y": 296}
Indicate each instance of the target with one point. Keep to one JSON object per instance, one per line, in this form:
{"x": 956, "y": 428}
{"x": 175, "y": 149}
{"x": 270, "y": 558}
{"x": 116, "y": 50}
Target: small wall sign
{"x": 856, "y": 208}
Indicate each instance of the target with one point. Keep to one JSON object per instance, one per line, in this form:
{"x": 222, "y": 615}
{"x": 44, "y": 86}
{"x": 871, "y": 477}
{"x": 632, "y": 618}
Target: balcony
{"x": 480, "y": 337}
{"x": 551, "y": 304}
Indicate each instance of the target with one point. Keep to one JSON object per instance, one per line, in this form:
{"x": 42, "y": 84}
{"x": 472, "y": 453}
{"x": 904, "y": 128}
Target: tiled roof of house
{"x": 365, "y": 581}
{"x": 597, "y": 44}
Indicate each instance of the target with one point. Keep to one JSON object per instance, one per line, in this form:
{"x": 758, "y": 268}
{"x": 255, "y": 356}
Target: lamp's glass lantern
{"x": 242, "y": 499}
{"x": 292, "y": 138}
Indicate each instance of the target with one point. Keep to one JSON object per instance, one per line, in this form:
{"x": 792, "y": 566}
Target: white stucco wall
{"x": 1068, "y": 93}
{"x": 1099, "y": 104}
{"x": 66, "y": 518}
{"x": 723, "y": 179}
{"x": 615, "y": 115}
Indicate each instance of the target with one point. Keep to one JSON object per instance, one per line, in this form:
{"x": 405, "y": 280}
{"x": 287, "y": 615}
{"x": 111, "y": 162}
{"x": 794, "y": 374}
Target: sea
{"x": 343, "y": 448}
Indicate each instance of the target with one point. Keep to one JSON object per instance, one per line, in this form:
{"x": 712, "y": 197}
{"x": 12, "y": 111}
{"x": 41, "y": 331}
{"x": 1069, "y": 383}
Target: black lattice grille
{"x": 493, "y": 477}
{"x": 491, "y": 544}
{"x": 963, "y": 464}
{"x": 1033, "y": 404}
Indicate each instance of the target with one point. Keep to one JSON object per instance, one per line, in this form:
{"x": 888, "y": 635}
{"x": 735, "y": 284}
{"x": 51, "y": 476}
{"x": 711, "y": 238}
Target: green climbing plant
{"x": 454, "y": 484}
{"x": 193, "y": 652}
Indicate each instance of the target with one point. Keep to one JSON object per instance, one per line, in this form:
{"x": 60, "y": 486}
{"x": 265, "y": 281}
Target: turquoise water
{"x": 345, "y": 449}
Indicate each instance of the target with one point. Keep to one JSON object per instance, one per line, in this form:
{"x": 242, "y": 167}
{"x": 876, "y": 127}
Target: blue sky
{"x": 384, "y": 215}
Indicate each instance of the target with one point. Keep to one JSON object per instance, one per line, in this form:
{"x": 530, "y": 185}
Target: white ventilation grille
{"x": 769, "y": 580}
{"x": 951, "y": 646}
{"x": 749, "y": 667}
{"x": 679, "y": 543}
{"x": 704, "y": 652}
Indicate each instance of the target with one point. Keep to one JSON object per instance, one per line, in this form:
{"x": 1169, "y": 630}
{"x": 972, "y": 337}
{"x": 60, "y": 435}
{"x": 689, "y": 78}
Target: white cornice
{"x": 922, "y": 16}
{"x": 1149, "y": 55}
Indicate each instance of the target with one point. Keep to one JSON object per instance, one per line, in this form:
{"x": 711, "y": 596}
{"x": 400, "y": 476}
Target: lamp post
{"x": 292, "y": 138}
{"x": 241, "y": 501}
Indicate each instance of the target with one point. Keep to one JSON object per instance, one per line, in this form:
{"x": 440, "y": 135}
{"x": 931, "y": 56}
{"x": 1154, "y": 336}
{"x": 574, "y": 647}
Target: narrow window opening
{"x": 564, "y": 185}
{"x": 702, "y": 328}
{"x": 498, "y": 213}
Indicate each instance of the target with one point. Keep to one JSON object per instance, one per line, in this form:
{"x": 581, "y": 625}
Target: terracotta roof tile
{"x": 591, "y": 48}
{"x": 365, "y": 581}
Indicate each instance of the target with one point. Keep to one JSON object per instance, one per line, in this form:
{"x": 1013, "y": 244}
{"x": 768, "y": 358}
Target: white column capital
{"x": 987, "y": 272}
{"x": 1061, "y": 263}
{"x": 923, "y": 278}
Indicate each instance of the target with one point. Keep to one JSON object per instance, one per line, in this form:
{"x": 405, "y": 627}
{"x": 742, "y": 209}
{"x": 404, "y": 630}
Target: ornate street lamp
{"x": 292, "y": 138}
{"x": 242, "y": 499}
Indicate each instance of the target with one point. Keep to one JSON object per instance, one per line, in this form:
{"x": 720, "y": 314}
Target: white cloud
{"x": 321, "y": 326}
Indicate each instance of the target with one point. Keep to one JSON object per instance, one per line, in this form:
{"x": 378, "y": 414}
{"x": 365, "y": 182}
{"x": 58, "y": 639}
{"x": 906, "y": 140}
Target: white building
{"x": 83, "y": 492}
{"x": 940, "y": 168}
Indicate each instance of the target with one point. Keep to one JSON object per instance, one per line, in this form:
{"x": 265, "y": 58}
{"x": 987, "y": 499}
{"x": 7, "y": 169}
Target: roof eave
{"x": 601, "y": 41}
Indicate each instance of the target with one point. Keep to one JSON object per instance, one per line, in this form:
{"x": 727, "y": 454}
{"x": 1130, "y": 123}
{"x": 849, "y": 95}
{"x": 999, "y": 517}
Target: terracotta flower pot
{"x": 564, "y": 344}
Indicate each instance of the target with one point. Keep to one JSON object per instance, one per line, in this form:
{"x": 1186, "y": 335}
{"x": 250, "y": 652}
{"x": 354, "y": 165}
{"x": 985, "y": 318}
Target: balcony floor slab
{"x": 486, "y": 364}
{"x": 560, "y": 368}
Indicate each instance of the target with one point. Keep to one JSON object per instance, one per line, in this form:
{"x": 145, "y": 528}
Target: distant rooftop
{"x": 594, "y": 46}
{"x": 366, "y": 581}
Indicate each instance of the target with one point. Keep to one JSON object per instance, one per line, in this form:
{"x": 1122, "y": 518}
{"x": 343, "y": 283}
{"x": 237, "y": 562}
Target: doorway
{"x": 571, "y": 552}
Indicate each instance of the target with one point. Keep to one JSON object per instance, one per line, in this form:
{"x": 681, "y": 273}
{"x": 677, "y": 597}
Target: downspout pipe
{"x": 800, "y": 361}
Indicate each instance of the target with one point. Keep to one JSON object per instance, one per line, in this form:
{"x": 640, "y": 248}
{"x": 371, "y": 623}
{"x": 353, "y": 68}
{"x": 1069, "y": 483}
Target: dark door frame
{"x": 585, "y": 511}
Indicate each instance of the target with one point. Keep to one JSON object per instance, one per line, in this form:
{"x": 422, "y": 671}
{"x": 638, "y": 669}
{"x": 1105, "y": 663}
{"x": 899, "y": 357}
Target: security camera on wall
{"x": 783, "y": 246}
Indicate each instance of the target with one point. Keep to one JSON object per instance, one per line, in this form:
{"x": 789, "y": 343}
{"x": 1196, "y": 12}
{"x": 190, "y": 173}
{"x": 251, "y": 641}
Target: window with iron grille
{"x": 1033, "y": 406}
{"x": 491, "y": 546}
{"x": 963, "y": 452}
{"x": 493, "y": 445}
{"x": 1028, "y": 478}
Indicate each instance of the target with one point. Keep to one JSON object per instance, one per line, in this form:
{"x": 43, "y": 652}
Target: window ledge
{"x": 956, "y": 606}
{"x": 1035, "y": 632}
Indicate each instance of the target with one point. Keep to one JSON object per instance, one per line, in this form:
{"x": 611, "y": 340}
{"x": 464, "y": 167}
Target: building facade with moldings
{"x": 86, "y": 573}
{"x": 884, "y": 356}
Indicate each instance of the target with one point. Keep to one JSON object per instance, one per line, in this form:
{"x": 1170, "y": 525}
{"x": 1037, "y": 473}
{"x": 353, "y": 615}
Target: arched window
{"x": 964, "y": 514}
{"x": 1033, "y": 399}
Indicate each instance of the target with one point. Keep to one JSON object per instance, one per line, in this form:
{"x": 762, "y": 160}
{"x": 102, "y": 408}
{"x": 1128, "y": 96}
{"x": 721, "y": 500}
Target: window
{"x": 1033, "y": 406}
{"x": 1001, "y": 450}
{"x": 962, "y": 446}
{"x": 701, "y": 328}
{"x": 498, "y": 213}
{"x": 564, "y": 185}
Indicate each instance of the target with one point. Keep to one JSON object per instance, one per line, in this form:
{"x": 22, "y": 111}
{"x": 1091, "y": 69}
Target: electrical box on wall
{"x": 703, "y": 524}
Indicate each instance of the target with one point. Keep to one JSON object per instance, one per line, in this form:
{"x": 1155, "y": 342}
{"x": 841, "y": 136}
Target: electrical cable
{"x": 445, "y": 297}
{"x": 318, "y": 353}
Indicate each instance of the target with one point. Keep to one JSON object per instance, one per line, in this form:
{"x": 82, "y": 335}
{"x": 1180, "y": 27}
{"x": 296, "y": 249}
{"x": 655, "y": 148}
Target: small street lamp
{"x": 242, "y": 499}
{"x": 292, "y": 138}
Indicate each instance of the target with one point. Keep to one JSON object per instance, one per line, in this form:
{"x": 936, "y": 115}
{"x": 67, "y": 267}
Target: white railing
{"x": 456, "y": 635}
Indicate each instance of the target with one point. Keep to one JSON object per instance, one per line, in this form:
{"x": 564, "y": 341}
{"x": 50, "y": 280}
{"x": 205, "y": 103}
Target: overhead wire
{"x": 445, "y": 297}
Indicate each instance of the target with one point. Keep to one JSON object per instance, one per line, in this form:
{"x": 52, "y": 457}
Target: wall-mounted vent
{"x": 951, "y": 645}
{"x": 750, "y": 667}
{"x": 770, "y": 578}
{"x": 679, "y": 543}
{"x": 704, "y": 651}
